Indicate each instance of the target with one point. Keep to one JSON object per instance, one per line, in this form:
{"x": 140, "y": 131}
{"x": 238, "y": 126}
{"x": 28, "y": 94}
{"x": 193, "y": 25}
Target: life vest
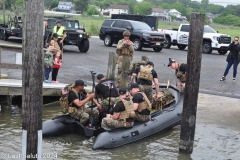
{"x": 146, "y": 104}
{"x": 48, "y": 59}
{"x": 60, "y": 31}
{"x": 65, "y": 106}
{"x": 145, "y": 73}
{"x": 129, "y": 111}
{"x": 180, "y": 75}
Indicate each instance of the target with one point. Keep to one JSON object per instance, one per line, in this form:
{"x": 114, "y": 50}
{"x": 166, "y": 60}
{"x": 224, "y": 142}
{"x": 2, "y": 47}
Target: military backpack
{"x": 145, "y": 73}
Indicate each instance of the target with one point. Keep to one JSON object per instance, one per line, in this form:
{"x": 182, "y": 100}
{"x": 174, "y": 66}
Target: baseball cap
{"x": 55, "y": 35}
{"x": 126, "y": 33}
{"x": 171, "y": 60}
{"x": 150, "y": 63}
{"x": 122, "y": 90}
{"x": 100, "y": 76}
{"x": 79, "y": 83}
{"x": 133, "y": 85}
{"x": 58, "y": 22}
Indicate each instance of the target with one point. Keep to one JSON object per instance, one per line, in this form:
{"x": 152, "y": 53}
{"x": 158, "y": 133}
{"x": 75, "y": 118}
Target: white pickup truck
{"x": 212, "y": 40}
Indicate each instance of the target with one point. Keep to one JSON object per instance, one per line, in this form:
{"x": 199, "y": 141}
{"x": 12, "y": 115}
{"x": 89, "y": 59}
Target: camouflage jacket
{"x": 123, "y": 49}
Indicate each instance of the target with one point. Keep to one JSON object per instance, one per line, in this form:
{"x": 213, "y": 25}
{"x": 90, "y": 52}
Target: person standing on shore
{"x": 233, "y": 58}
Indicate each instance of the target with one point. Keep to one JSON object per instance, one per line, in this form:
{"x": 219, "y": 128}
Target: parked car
{"x": 141, "y": 34}
{"x": 212, "y": 40}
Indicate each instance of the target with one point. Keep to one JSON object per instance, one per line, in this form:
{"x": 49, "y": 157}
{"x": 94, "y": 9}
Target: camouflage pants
{"x": 105, "y": 103}
{"x": 180, "y": 85}
{"x": 119, "y": 70}
{"x": 141, "y": 117}
{"x": 112, "y": 123}
{"x": 83, "y": 115}
{"x": 147, "y": 89}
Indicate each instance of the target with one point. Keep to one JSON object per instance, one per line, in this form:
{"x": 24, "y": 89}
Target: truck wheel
{"x": 181, "y": 47}
{"x": 83, "y": 46}
{"x": 207, "y": 48}
{"x": 167, "y": 44}
{"x": 157, "y": 49}
{"x": 137, "y": 44}
{"x": 3, "y": 36}
{"x": 222, "y": 52}
{"x": 108, "y": 41}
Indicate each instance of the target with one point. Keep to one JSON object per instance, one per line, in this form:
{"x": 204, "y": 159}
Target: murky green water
{"x": 211, "y": 142}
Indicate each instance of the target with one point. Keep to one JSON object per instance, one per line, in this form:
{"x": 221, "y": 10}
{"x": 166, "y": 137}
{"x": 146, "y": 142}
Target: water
{"x": 212, "y": 141}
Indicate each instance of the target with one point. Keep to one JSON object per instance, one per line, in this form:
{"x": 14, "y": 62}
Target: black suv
{"x": 76, "y": 35}
{"x": 141, "y": 34}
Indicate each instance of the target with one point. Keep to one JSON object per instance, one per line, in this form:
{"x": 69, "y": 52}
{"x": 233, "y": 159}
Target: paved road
{"x": 77, "y": 65}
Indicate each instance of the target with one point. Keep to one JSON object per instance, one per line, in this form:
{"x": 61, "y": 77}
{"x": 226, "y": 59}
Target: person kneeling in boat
{"x": 123, "y": 113}
{"x": 141, "y": 104}
{"x": 77, "y": 104}
{"x": 181, "y": 70}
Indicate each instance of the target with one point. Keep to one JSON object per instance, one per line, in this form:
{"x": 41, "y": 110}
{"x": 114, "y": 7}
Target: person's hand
{"x": 99, "y": 107}
{"x": 108, "y": 115}
{"x": 129, "y": 42}
{"x": 155, "y": 97}
{"x": 91, "y": 95}
{"x": 61, "y": 41}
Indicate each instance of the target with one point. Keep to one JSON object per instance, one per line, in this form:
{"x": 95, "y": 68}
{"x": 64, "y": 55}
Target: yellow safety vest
{"x": 60, "y": 31}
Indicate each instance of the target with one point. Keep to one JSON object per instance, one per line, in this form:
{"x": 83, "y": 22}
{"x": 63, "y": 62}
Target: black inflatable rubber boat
{"x": 160, "y": 120}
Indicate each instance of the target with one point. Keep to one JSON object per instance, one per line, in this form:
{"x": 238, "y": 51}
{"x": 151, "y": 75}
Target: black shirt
{"x": 138, "y": 98}
{"x": 234, "y": 49}
{"x": 72, "y": 96}
{"x": 119, "y": 107}
{"x": 103, "y": 89}
{"x": 183, "y": 68}
{"x": 143, "y": 81}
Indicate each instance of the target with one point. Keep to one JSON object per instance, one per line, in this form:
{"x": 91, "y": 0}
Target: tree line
{"x": 229, "y": 15}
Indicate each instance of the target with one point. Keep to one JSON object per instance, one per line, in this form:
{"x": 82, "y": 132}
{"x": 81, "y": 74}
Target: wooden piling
{"x": 32, "y": 100}
{"x": 125, "y": 72}
{"x": 111, "y": 66}
{"x": 194, "y": 59}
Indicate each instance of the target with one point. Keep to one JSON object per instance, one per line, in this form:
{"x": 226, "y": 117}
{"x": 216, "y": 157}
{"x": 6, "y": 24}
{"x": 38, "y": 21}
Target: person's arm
{"x": 120, "y": 44}
{"x": 79, "y": 103}
{"x": 97, "y": 104}
{"x": 156, "y": 86}
{"x": 131, "y": 47}
{"x": 114, "y": 116}
{"x": 135, "y": 106}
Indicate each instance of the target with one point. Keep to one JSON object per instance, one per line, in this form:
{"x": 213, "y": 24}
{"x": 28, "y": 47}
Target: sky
{"x": 220, "y": 2}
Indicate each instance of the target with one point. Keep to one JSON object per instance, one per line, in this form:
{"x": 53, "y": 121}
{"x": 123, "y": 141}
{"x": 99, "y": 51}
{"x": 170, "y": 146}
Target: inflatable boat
{"x": 160, "y": 120}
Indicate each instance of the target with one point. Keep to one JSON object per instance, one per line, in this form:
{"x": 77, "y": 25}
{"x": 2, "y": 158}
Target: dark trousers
{"x": 54, "y": 74}
{"x": 229, "y": 65}
{"x": 60, "y": 44}
{"x": 47, "y": 72}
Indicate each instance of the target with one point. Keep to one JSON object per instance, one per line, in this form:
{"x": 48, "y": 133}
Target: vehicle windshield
{"x": 66, "y": 23}
{"x": 208, "y": 29}
{"x": 141, "y": 26}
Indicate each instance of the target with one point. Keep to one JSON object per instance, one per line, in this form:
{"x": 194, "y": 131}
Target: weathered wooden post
{"x": 111, "y": 66}
{"x": 125, "y": 69}
{"x": 194, "y": 59}
{"x": 32, "y": 100}
{"x": 3, "y": 5}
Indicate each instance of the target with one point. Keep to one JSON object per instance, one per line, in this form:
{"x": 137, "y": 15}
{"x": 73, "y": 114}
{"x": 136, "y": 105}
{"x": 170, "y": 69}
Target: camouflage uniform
{"x": 112, "y": 123}
{"x": 142, "y": 118}
{"x": 123, "y": 50}
{"x": 84, "y": 114}
{"x": 105, "y": 103}
{"x": 147, "y": 89}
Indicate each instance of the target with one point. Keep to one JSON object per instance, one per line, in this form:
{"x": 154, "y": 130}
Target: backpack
{"x": 64, "y": 97}
{"x": 145, "y": 73}
{"x": 48, "y": 59}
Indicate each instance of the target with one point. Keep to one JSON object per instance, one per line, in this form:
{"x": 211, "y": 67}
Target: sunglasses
{"x": 126, "y": 36}
{"x": 235, "y": 40}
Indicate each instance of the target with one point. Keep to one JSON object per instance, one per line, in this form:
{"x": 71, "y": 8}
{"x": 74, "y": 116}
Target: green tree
{"x": 92, "y": 11}
{"x": 214, "y": 9}
{"x": 204, "y": 3}
{"x": 154, "y": 2}
{"x": 169, "y": 1}
{"x": 143, "y": 8}
{"x": 195, "y": 5}
{"x": 81, "y": 5}
{"x": 165, "y": 6}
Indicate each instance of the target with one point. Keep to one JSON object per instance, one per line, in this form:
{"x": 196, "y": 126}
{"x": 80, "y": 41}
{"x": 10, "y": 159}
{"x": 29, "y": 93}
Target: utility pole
{"x": 194, "y": 59}
{"x": 3, "y": 3}
{"x": 32, "y": 100}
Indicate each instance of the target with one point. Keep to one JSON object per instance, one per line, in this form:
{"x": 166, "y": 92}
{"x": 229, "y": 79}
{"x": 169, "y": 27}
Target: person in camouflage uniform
{"x": 141, "y": 103}
{"x": 123, "y": 113}
{"x": 105, "y": 90}
{"x": 48, "y": 62}
{"x": 124, "y": 48}
{"x": 145, "y": 76}
{"x": 77, "y": 103}
{"x": 180, "y": 72}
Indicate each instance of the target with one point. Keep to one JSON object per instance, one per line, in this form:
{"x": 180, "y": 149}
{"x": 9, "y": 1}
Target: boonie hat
{"x": 79, "y": 83}
{"x": 133, "y": 85}
{"x": 150, "y": 63}
{"x": 122, "y": 90}
{"x": 55, "y": 35}
{"x": 126, "y": 33}
{"x": 171, "y": 61}
{"x": 100, "y": 76}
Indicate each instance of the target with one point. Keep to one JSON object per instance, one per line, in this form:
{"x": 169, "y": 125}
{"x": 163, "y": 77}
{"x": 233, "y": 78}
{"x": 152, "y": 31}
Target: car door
{"x": 118, "y": 30}
{"x": 183, "y": 35}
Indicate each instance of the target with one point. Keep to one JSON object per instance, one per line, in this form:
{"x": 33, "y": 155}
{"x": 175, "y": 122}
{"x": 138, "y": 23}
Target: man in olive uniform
{"x": 60, "y": 30}
{"x": 180, "y": 72}
{"x": 106, "y": 90}
{"x": 77, "y": 104}
{"x": 141, "y": 103}
{"x": 124, "y": 48}
{"x": 123, "y": 113}
{"x": 146, "y": 75}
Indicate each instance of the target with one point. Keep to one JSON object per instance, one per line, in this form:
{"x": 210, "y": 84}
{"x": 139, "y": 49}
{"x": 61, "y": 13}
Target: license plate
{"x": 158, "y": 43}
